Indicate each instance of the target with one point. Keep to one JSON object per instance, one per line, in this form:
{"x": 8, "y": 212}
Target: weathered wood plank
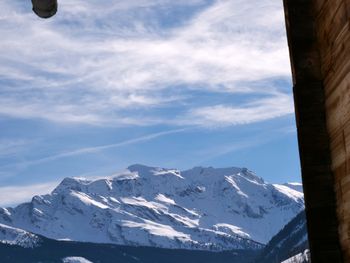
{"x": 338, "y": 151}
{"x": 313, "y": 135}
{"x": 334, "y": 41}
{"x": 330, "y": 22}
{"x": 327, "y": 33}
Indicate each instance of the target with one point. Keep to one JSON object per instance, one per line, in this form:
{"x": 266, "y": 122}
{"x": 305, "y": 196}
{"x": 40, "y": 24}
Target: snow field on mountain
{"x": 201, "y": 208}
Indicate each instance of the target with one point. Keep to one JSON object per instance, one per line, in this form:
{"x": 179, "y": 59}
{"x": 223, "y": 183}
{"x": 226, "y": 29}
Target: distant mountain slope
{"x": 201, "y": 208}
{"x": 53, "y": 251}
{"x": 300, "y": 258}
{"x": 19, "y": 237}
{"x": 290, "y": 241}
{"x": 75, "y": 260}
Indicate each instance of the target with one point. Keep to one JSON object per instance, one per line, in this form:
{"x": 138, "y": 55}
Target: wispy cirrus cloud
{"x": 10, "y": 147}
{"x": 89, "y": 150}
{"x": 12, "y": 195}
{"x": 118, "y": 63}
{"x": 254, "y": 111}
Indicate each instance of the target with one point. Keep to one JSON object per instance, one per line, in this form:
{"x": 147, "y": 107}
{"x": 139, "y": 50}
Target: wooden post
{"x": 313, "y": 136}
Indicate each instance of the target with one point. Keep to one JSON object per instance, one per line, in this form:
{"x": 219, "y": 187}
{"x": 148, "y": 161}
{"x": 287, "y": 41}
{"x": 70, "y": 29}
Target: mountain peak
{"x": 202, "y": 208}
{"x": 147, "y": 171}
{"x": 143, "y": 170}
{"x": 71, "y": 183}
{"x": 201, "y": 172}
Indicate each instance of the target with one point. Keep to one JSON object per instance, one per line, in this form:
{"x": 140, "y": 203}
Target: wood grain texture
{"x": 333, "y": 35}
{"x": 315, "y": 143}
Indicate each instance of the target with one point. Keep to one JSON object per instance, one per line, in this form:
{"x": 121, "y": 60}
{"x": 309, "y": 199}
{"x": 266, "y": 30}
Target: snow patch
{"x": 231, "y": 230}
{"x": 157, "y": 229}
{"x": 230, "y": 180}
{"x": 164, "y": 199}
{"x": 88, "y": 200}
{"x": 140, "y": 201}
{"x": 75, "y": 260}
{"x": 14, "y": 236}
{"x": 169, "y": 172}
{"x": 291, "y": 193}
{"x": 295, "y": 186}
{"x": 300, "y": 258}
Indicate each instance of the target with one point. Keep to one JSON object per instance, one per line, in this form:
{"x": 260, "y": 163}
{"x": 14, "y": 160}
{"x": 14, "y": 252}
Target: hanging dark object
{"x": 45, "y": 8}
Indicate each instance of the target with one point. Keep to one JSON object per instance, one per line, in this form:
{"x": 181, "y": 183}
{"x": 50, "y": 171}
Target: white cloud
{"x": 103, "y": 62}
{"x": 255, "y": 111}
{"x": 13, "y": 195}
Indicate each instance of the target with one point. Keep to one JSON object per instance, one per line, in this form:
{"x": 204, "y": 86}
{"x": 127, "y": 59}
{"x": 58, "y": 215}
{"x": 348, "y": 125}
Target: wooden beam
{"x": 313, "y": 137}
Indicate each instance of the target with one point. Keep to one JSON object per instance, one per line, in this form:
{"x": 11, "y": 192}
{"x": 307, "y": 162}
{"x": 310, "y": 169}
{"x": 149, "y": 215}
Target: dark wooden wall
{"x": 319, "y": 41}
{"x": 333, "y": 34}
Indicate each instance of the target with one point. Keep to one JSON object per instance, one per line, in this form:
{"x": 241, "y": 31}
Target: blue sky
{"x": 105, "y": 84}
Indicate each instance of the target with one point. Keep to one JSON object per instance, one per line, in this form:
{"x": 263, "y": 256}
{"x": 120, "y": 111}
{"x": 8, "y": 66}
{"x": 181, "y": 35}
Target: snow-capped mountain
{"x": 201, "y": 208}
{"x": 296, "y": 186}
{"x": 18, "y": 237}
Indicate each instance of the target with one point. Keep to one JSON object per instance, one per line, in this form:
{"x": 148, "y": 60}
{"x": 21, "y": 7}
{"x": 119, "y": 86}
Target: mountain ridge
{"x": 200, "y": 208}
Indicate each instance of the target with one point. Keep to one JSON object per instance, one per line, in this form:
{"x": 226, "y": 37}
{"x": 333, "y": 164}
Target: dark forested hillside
{"x": 291, "y": 240}
{"x": 51, "y": 251}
